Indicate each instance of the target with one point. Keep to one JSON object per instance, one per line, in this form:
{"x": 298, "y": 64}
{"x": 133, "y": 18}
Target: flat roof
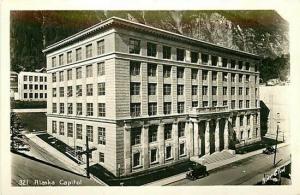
{"x": 116, "y": 20}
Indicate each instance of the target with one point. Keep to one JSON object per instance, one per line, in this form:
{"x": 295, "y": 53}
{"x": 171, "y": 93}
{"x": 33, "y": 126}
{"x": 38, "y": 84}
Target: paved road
{"x": 27, "y": 172}
{"x": 245, "y": 172}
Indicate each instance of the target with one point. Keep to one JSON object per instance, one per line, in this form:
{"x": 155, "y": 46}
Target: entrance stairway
{"x": 215, "y": 157}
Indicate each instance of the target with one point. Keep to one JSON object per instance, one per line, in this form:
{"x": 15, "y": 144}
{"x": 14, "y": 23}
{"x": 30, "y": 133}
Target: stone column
{"x": 127, "y": 149}
{"x": 217, "y": 136}
{"x": 161, "y": 143}
{"x": 175, "y": 139}
{"x": 145, "y": 143}
{"x": 207, "y": 143}
{"x": 251, "y": 126}
{"x": 196, "y": 138}
{"x": 189, "y": 138}
{"x": 226, "y": 137}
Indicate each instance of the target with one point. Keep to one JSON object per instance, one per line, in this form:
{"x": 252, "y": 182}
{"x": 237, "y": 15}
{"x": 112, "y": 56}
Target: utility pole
{"x": 277, "y": 130}
{"x": 87, "y": 152}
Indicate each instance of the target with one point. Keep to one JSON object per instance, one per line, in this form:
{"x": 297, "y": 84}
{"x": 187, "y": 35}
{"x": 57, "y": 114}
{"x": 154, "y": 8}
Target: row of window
{"x": 35, "y": 78}
{"x": 89, "y": 109}
{"x": 36, "y": 87}
{"x": 78, "y": 74}
{"x": 89, "y": 90}
{"x": 241, "y": 120}
{"x": 70, "y": 131}
{"x": 152, "y": 72}
{"x": 78, "y": 54}
{"x": 34, "y": 95}
{"x": 135, "y": 48}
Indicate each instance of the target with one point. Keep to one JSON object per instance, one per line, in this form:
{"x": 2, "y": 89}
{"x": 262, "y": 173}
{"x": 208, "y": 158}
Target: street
{"x": 245, "y": 172}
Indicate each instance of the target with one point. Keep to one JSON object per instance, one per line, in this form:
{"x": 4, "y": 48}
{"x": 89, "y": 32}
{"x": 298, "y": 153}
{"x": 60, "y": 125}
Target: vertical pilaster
{"x": 220, "y": 88}
{"x": 161, "y": 143}
{"x": 174, "y": 89}
{"x": 209, "y": 90}
{"x": 144, "y": 89}
{"x": 127, "y": 149}
{"x": 226, "y": 137}
{"x": 200, "y": 84}
{"x": 217, "y": 135}
{"x": 187, "y": 89}
{"x": 160, "y": 96}
{"x": 145, "y": 142}
{"x": 196, "y": 138}
{"x": 207, "y": 143}
{"x": 175, "y": 139}
{"x": 190, "y": 136}
{"x": 251, "y": 126}
{"x": 237, "y": 127}
{"x": 229, "y": 90}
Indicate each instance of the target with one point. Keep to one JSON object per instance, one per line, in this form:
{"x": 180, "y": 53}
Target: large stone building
{"x": 147, "y": 98}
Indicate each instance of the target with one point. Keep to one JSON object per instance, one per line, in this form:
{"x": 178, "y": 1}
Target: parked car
{"x": 196, "y": 171}
{"x": 269, "y": 150}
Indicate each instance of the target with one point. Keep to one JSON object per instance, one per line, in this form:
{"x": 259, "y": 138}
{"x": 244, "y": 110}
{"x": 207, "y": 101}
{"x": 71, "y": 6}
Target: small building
{"x": 13, "y": 85}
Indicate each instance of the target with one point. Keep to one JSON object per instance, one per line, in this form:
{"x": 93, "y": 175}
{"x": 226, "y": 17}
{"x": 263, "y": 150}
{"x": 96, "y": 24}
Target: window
{"x": 247, "y": 104}
{"x": 78, "y": 73}
{"x": 152, "y": 89}
{"x": 54, "y": 108}
{"x": 30, "y": 78}
{"x": 240, "y": 90}
{"x": 233, "y": 121}
{"x": 232, "y": 77}
{"x": 79, "y": 108}
{"x": 214, "y": 103}
{"x": 180, "y": 72}
{"x": 167, "y": 89}
{"x": 181, "y": 129}
{"x": 25, "y": 95}
{"x": 204, "y": 75}
{"x": 100, "y": 69}
{"x": 45, "y": 87}
{"x": 70, "y": 108}
{"x": 168, "y": 131}
{"x": 61, "y": 108}
{"x": 54, "y": 77}
{"x": 69, "y": 57}
{"x": 232, "y": 90}
{"x": 240, "y": 103}
{"x": 25, "y": 86}
{"x": 36, "y": 95}
{"x": 168, "y": 152}
{"x": 152, "y": 133}
{"x": 247, "y": 91}
{"x": 194, "y": 104}
{"x": 89, "y": 71}
{"x": 36, "y": 78}
{"x": 232, "y": 104}
{"x": 180, "y": 107}
{"x": 25, "y": 78}
{"x": 232, "y": 63}
{"x": 45, "y": 95}
{"x": 247, "y": 78}
{"x": 205, "y": 104}
{"x": 41, "y": 79}
{"x": 152, "y": 109}
{"x": 70, "y": 129}
{"x": 100, "y": 47}
{"x": 134, "y": 68}
{"x": 89, "y": 133}
{"x": 88, "y": 51}
{"x": 70, "y": 91}
{"x": 225, "y": 77}
{"x": 204, "y": 90}
{"x": 101, "y": 157}
{"x": 240, "y": 78}
{"x": 181, "y": 149}
{"x": 240, "y": 65}
{"x": 166, "y": 52}
{"x": 241, "y": 120}
{"x": 167, "y": 71}
{"x": 54, "y": 127}
{"x": 54, "y": 92}
{"x": 194, "y": 73}
{"x": 78, "y": 131}
{"x": 136, "y": 159}
{"x": 214, "y": 90}
{"x": 214, "y": 60}
{"x": 78, "y": 90}
{"x": 36, "y": 87}
{"x": 214, "y": 75}
{"x": 135, "y": 109}
{"x": 248, "y": 119}
{"x": 225, "y": 103}
{"x": 180, "y": 89}
{"x": 101, "y": 88}
{"x": 167, "y": 107}
{"x": 180, "y": 54}
{"x": 30, "y": 95}
{"x": 151, "y": 49}
{"x": 45, "y": 79}
{"x": 89, "y": 89}
{"x": 53, "y": 61}
{"x": 204, "y": 58}
{"x": 194, "y": 89}
{"x": 134, "y": 46}
{"x": 101, "y": 136}
{"x": 194, "y": 57}
{"x": 135, "y": 136}
{"x": 151, "y": 70}
{"x": 69, "y": 74}
{"x": 78, "y": 54}
{"x": 89, "y": 109}
{"x": 224, "y": 62}
{"x": 224, "y": 90}
{"x": 101, "y": 109}
{"x": 153, "y": 155}
{"x": 134, "y": 88}
{"x": 61, "y": 128}
{"x": 247, "y": 65}
{"x": 61, "y": 91}
{"x": 61, "y": 59}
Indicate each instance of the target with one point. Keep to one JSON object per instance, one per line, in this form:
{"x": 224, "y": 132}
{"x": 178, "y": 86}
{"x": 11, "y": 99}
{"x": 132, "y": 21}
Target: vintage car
{"x": 269, "y": 150}
{"x": 196, "y": 171}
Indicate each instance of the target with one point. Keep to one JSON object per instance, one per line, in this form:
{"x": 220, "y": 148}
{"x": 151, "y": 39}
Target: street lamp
{"x": 277, "y": 130}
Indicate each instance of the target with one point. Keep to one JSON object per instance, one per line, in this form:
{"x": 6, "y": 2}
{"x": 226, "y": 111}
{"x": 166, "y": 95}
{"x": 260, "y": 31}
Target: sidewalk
{"x": 211, "y": 167}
